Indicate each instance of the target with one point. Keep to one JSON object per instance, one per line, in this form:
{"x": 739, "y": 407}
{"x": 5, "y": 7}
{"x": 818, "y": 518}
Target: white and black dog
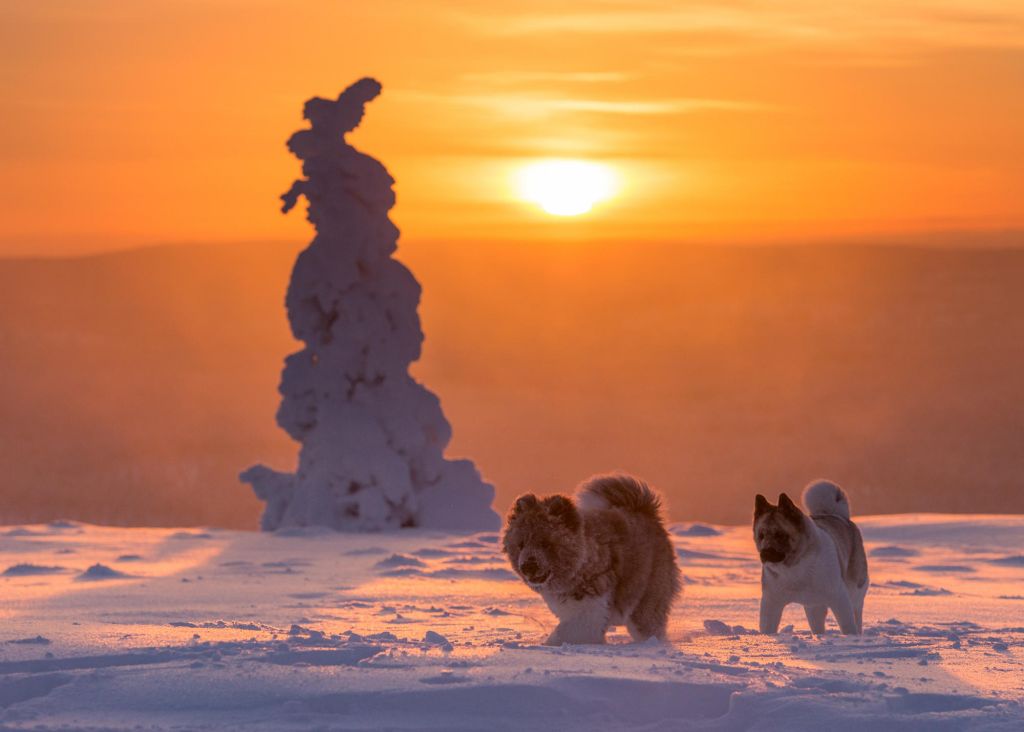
{"x": 817, "y": 560}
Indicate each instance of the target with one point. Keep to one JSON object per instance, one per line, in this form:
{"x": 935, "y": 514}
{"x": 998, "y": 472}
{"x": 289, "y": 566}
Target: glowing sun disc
{"x": 566, "y": 187}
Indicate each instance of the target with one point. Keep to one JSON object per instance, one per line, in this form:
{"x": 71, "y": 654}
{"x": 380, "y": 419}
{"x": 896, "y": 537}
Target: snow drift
{"x": 422, "y": 631}
{"x": 373, "y": 438}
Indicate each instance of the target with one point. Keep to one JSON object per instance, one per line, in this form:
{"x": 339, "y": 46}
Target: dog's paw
{"x": 553, "y": 640}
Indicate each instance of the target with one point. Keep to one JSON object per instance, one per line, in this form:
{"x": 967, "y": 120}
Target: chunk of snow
{"x": 717, "y": 627}
{"x": 433, "y": 638}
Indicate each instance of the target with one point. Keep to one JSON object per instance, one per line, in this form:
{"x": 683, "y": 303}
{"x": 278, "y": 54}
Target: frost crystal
{"x": 373, "y": 438}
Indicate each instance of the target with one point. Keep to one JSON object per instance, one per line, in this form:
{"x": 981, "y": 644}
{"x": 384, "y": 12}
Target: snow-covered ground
{"x": 112, "y": 628}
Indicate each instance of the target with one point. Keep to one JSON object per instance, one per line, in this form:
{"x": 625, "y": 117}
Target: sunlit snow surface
{"x": 106, "y": 628}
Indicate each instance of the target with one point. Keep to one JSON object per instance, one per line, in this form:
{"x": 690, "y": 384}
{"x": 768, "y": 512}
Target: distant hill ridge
{"x": 135, "y": 385}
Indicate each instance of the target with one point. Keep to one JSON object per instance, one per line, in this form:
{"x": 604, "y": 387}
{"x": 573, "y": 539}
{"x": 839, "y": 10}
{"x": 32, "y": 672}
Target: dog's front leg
{"x": 771, "y": 612}
{"x": 580, "y": 621}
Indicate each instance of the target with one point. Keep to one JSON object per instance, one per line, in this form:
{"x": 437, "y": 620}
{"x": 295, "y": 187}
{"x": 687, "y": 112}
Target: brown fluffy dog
{"x": 600, "y": 561}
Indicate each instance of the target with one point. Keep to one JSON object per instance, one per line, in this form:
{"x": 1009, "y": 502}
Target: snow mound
{"x": 100, "y": 572}
{"x": 695, "y": 530}
{"x": 893, "y": 552}
{"x": 399, "y": 560}
{"x": 34, "y": 641}
{"x": 373, "y": 438}
{"x": 30, "y": 570}
{"x": 1016, "y": 560}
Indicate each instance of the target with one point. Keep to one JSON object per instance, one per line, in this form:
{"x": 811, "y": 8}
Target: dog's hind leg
{"x": 858, "y": 609}
{"x": 842, "y": 608}
{"x": 816, "y": 617}
{"x": 648, "y": 621}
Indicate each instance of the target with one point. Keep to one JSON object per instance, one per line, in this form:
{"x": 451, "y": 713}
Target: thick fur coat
{"x": 604, "y": 559}
{"x": 816, "y": 559}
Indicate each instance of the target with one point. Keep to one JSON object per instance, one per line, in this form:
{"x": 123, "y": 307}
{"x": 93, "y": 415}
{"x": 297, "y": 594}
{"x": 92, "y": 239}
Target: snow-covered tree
{"x": 373, "y": 438}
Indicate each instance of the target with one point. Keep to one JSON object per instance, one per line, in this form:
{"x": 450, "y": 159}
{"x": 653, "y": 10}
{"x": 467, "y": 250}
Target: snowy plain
{"x": 142, "y": 628}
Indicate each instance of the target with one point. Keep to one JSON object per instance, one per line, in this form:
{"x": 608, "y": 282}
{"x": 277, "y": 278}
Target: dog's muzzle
{"x": 533, "y": 572}
{"x": 770, "y": 554}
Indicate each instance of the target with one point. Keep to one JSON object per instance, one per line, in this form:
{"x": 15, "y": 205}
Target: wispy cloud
{"x": 667, "y": 106}
{"x": 511, "y": 78}
{"x": 798, "y": 23}
{"x": 774, "y": 21}
{"x": 536, "y": 106}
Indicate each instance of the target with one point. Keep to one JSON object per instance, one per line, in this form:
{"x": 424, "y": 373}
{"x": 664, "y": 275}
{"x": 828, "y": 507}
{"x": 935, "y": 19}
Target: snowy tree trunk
{"x": 372, "y": 437}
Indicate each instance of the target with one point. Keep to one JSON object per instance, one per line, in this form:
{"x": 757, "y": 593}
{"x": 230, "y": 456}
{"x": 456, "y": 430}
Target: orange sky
{"x": 125, "y": 123}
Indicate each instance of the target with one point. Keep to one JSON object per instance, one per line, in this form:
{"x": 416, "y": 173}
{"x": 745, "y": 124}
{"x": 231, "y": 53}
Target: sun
{"x": 566, "y": 187}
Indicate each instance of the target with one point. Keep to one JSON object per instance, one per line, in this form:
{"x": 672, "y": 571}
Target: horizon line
{"x": 991, "y": 239}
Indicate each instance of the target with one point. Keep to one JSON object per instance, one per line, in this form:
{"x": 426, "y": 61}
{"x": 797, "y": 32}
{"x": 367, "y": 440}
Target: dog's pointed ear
{"x": 564, "y": 510}
{"x": 524, "y": 503}
{"x": 761, "y": 505}
{"x": 789, "y": 508}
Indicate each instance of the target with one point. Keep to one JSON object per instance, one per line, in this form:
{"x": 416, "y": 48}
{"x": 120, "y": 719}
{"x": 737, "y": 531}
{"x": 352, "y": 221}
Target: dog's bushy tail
{"x": 825, "y": 497}
{"x": 618, "y": 490}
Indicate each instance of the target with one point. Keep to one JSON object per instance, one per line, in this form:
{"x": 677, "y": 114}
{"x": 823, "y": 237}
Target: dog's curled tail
{"x": 618, "y": 490}
{"x": 825, "y": 497}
